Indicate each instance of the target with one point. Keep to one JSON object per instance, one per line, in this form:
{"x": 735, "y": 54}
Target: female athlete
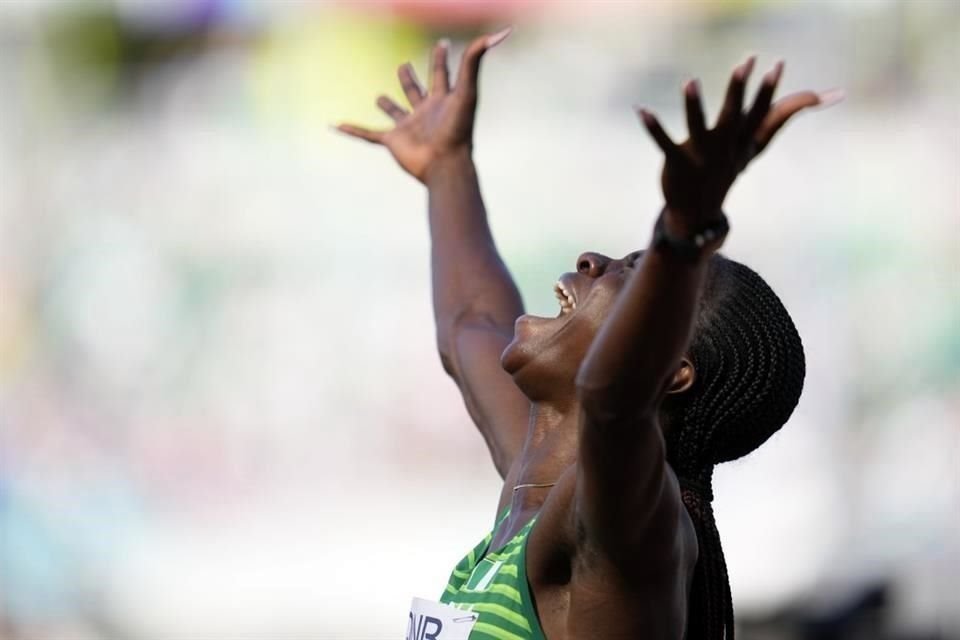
{"x": 606, "y": 421}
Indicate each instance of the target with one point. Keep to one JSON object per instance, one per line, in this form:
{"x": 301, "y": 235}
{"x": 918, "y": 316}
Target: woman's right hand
{"x": 441, "y": 123}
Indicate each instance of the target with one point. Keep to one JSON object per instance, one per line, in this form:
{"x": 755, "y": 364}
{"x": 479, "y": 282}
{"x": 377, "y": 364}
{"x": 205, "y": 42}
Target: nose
{"x": 592, "y": 264}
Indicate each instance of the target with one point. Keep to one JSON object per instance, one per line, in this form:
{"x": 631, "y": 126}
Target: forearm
{"x": 470, "y": 280}
{"x": 642, "y": 341}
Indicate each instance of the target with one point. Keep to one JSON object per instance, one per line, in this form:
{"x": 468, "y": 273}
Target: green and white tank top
{"x": 493, "y": 586}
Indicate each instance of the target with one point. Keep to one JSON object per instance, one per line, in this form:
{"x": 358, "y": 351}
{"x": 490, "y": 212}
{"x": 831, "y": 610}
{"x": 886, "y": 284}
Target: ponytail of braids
{"x": 710, "y": 605}
{"x": 749, "y": 366}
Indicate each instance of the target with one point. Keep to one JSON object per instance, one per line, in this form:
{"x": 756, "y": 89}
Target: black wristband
{"x": 691, "y": 248}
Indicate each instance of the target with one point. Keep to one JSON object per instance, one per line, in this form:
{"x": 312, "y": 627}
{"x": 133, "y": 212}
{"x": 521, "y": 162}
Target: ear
{"x": 683, "y": 377}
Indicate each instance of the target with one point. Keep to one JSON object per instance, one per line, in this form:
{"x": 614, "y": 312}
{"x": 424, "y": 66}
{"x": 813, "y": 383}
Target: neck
{"x": 549, "y": 450}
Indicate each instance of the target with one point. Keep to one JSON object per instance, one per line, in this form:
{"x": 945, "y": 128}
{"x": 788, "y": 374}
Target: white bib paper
{"x": 436, "y": 621}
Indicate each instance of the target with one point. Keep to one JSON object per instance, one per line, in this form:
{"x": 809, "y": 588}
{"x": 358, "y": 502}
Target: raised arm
{"x": 627, "y": 498}
{"x": 475, "y": 300}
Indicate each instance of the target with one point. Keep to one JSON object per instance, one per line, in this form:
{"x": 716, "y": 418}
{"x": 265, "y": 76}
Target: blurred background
{"x": 221, "y": 411}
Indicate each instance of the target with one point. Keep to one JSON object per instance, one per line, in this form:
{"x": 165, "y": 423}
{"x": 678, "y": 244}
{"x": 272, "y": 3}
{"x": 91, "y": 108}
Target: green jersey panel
{"x": 493, "y": 584}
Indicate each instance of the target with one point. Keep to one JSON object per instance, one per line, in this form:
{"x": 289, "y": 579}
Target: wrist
{"x": 685, "y": 224}
{"x": 691, "y": 238}
{"x": 447, "y": 162}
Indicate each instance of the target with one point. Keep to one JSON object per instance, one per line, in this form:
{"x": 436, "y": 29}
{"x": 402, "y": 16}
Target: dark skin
{"x": 573, "y": 401}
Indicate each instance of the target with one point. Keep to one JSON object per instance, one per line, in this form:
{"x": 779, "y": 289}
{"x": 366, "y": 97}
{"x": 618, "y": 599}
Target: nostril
{"x": 592, "y": 264}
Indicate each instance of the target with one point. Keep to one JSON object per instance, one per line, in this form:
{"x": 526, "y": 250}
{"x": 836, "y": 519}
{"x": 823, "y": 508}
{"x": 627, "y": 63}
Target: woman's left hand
{"x": 698, "y": 172}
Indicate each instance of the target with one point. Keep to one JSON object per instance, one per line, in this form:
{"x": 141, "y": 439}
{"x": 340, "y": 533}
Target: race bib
{"x": 435, "y": 621}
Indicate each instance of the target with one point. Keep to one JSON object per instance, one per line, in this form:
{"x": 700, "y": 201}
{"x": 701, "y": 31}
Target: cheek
{"x": 569, "y": 347}
{"x": 606, "y": 287}
{"x": 599, "y": 304}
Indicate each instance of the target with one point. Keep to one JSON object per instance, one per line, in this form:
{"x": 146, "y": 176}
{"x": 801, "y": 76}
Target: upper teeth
{"x": 567, "y": 303}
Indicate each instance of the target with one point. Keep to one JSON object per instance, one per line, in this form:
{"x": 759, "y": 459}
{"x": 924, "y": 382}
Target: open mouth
{"x": 566, "y": 298}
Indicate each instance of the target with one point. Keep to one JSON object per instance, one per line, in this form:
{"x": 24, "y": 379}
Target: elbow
{"x": 446, "y": 351}
{"x": 447, "y": 361}
{"x": 449, "y": 328}
{"x": 627, "y": 391}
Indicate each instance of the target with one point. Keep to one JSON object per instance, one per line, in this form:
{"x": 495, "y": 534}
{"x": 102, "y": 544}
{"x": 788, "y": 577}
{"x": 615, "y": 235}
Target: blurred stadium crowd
{"x": 194, "y": 444}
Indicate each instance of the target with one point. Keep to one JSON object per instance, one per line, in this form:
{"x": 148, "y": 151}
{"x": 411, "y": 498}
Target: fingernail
{"x": 772, "y": 77}
{"x": 644, "y": 114}
{"x": 443, "y": 43}
{"x": 692, "y": 88}
{"x": 831, "y": 97}
{"x": 499, "y": 37}
{"x": 777, "y": 70}
{"x": 743, "y": 70}
{"x": 335, "y": 127}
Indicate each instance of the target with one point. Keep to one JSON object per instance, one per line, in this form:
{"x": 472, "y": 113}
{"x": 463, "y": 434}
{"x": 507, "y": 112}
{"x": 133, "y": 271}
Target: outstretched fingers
{"x": 392, "y": 109}
{"x": 732, "y": 111}
{"x": 470, "y": 62}
{"x": 787, "y": 107}
{"x": 411, "y": 86}
{"x": 656, "y": 132}
{"x": 440, "y": 74}
{"x": 694, "y": 107}
{"x": 376, "y": 137}
{"x": 761, "y": 104}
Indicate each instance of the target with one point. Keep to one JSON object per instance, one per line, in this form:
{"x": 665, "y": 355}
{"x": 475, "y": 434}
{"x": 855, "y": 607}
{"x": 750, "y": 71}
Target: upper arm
{"x": 496, "y": 405}
{"x": 627, "y": 500}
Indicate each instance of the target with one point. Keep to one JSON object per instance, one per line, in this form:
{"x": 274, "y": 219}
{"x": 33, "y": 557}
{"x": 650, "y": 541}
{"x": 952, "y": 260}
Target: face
{"x": 546, "y": 352}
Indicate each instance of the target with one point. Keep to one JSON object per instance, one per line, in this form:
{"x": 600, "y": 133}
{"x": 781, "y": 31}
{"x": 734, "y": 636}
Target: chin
{"x": 527, "y": 334}
{"x": 515, "y": 356}
{"x": 542, "y": 366}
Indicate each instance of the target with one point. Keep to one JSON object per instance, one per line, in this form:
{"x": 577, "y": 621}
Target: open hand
{"x": 441, "y": 122}
{"x": 698, "y": 173}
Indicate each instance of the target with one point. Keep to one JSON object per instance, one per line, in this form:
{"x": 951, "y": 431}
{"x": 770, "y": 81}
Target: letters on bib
{"x": 435, "y": 621}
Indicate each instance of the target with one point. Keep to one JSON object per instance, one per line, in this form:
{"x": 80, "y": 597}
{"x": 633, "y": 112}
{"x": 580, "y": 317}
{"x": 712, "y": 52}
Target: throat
{"x": 551, "y": 426}
{"x": 549, "y": 450}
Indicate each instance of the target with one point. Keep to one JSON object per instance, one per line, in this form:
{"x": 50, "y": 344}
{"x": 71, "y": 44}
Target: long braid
{"x": 710, "y": 603}
{"x": 749, "y": 367}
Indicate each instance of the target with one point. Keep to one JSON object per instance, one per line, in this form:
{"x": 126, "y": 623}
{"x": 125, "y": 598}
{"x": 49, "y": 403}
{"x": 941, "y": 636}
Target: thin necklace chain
{"x": 533, "y": 484}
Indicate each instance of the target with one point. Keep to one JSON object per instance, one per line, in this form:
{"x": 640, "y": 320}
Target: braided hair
{"x": 749, "y": 366}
